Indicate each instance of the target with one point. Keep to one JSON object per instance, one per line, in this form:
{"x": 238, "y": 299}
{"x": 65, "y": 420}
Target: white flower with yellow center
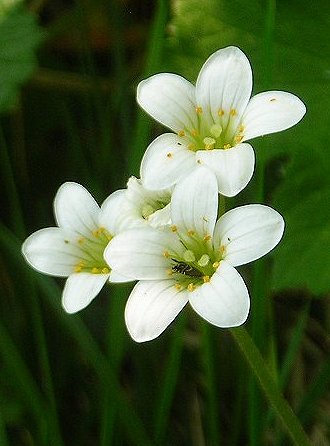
{"x": 193, "y": 260}
{"x": 75, "y": 248}
{"x": 212, "y": 121}
{"x": 142, "y": 206}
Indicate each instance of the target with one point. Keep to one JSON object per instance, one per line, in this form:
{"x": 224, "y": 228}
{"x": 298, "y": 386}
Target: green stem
{"x": 269, "y": 387}
{"x": 168, "y": 385}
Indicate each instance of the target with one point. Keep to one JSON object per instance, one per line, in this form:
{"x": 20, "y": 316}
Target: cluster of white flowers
{"x": 164, "y": 230}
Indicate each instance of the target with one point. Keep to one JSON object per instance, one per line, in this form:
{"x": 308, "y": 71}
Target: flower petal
{"x": 139, "y": 253}
{"x": 76, "y": 209}
{"x": 165, "y": 162}
{"x": 224, "y": 301}
{"x": 248, "y": 232}
{"x": 151, "y": 307}
{"x": 270, "y": 112}
{"x": 233, "y": 167}
{"x": 170, "y": 99}
{"x": 51, "y": 251}
{"x": 194, "y": 204}
{"x": 111, "y": 216}
{"x": 80, "y": 289}
{"x": 224, "y": 83}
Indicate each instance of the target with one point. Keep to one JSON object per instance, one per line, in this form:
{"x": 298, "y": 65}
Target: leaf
{"x": 20, "y": 36}
{"x": 303, "y": 257}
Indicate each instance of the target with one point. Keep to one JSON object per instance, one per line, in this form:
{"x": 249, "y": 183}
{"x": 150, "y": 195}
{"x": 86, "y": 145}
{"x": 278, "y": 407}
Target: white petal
{"x": 80, "y": 289}
{"x": 194, "y": 204}
{"x": 116, "y": 277}
{"x": 161, "y": 217}
{"x": 166, "y": 161}
{"x": 248, "y": 232}
{"x": 76, "y": 209}
{"x": 271, "y": 112}
{"x": 51, "y": 251}
{"x": 224, "y": 83}
{"x": 151, "y": 307}
{"x": 233, "y": 167}
{"x": 111, "y": 216}
{"x": 139, "y": 253}
{"x": 170, "y": 99}
{"x": 224, "y": 301}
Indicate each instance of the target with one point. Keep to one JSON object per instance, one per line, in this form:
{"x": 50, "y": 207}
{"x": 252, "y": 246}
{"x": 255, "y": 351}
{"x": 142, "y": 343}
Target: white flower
{"x": 75, "y": 248}
{"x": 212, "y": 121}
{"x": 141, "y": 206}
{"x": 193, "y": 260}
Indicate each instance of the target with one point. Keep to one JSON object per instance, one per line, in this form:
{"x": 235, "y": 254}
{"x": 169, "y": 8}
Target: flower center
{"x": 91, "y": 249}
{"x": 222, "y": 131}
{"x": 152, "y": 206}
{"x": 196, "y": 266}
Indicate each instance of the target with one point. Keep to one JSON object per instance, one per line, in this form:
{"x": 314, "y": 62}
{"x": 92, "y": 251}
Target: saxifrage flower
{"x": 212, "y": 122}
{"x": 193, "y": 260}
{"x": 75, "y": 248}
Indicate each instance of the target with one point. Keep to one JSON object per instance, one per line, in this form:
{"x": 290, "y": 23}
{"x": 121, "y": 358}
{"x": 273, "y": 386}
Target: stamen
{"x": 233, "y": 112}
{"x": 169, "y": 272}
{"x": 81, "y": 240}
{"x": 199, "y": 110}
{"x": 166, "y": 254}
{"x": 206, "y": 279}
{"x": 191, "y": 232}
{"x": 238, "y": 138}
{"x": 105, "y": 270}
{"x": 95, "y": 270}
{"x": 209, "y": 143}
{"x": 216, "y": 130}
{"x": 204, "y": 260}
{"x": 192, "y": 147}
{"x": 194, "y": 132}
{"x": 215, "y": 265}
{"x": 222, "y": 250}
{"x": 181, "y": 133}
{"x": 221, "y": 112}
{"x": 189, "y": 256}
{"x": 207, "y": 238}
{"x": 227, "y": 146}
{"x": 178, "y": 286}
{"x": 173, "y": 228}
{"x": 191, "y": 287}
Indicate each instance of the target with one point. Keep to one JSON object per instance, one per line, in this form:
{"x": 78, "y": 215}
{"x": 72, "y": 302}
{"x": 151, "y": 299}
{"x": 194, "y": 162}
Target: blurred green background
{"x": 68, "y": 76}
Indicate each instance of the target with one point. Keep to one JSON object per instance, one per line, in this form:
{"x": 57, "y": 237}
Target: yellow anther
{"x": 206, "y": 279}
{"x": 169, "y": 272}
{"x": 191, "y": 232}
{"x": 194, "y": 132}
{"x": 204, "y": 260}
{"x": 233, "y": 112}
{"x": 81, "y": 240}
{"x": 216, "y": 130}
{"x": 108, "y": 235}
{"x": 166, "y": 254}
{"x": 191, "y": 287}
{"x": 221, "y": 112}
{"x": 181, "y": 133}
{"x": 105, "y": 270}
{"x": 96, "y": 232}
{"x": 209, "y": 143}
{"x": 207, "y": 238}
{"x": 215, "y": 265}
{"x": 199, "y": 110}
{"x": 178, "y": 286}
{"x": 77, "y": 268}
{"x": 241, "y": 128}
{"x": 169, "y": 155}
{"x": 189, "y": 256}
{"x": 227, "y": 146}
{"x": 238, "y": 138}
{"x": 95, "y": 270}
{"x": 222, "y": 250}
{"x": 174, "y": 228}
{"x": 192, "y": 146}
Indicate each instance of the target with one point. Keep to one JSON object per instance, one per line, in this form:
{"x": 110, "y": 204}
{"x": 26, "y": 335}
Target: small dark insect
{"x": 187, "y": 270}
